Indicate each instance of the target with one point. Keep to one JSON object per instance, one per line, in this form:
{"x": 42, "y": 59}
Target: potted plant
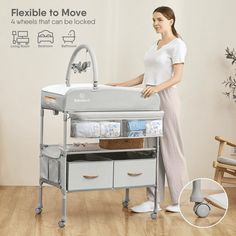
{"x": 230, "y": 83}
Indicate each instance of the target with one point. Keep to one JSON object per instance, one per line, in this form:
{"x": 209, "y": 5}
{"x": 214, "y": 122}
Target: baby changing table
{"x": 108, "y": 113}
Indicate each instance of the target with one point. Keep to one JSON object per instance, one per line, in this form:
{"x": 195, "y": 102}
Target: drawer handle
{"x": 134, "y": 174}
{"x": 90, "y": 176}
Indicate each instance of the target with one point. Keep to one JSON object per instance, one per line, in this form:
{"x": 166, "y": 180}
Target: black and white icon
{"x": 45, "y": 36}
{"x": 20, "y": 37}
{"x": 70, "y": 37}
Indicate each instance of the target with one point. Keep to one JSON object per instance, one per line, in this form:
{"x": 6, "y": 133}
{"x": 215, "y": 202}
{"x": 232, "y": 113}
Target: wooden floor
{"x": 96, "y": 213}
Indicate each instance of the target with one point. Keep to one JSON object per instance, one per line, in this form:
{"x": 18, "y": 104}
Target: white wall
{"x": 206, "y": 113}
{"x": 122, "y": 33}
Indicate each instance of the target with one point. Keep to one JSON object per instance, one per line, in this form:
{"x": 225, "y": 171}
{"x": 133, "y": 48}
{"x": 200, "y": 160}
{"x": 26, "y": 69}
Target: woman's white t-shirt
{"x": 158, "y": 62}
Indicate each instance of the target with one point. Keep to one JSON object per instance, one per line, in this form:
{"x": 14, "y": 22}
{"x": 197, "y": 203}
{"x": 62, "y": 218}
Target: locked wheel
{"x": 202, "y": 210}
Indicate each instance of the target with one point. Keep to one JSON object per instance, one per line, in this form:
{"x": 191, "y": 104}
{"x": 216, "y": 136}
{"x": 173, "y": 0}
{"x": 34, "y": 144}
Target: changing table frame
{"x": 64, "y": 170}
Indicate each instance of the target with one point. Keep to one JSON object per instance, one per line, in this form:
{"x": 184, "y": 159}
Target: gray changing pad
{"x": 82, "y": 98}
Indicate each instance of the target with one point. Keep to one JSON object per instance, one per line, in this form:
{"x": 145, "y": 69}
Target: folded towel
{"x": 85, "y": 129}
{"x": 135, "y": 125}
{"x": 110, "y": 129}
{"x": 154, "y": 127}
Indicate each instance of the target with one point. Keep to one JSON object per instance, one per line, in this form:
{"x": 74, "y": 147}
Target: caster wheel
{"x": 153, "y": 215}
{"x": 38, "y": 210}
{"x": 202, "y": 210}
{"x": 125, "y": 204}
{"x": 61, "y": 223}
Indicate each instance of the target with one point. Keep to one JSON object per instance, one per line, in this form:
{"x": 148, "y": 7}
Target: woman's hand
{"x": 129, "y": 83}
{"x": 149, "y": 90}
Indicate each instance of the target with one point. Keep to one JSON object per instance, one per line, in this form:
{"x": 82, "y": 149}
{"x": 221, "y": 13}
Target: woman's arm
{"x": 176, "y": 78}
{"x": 131, "y": 82}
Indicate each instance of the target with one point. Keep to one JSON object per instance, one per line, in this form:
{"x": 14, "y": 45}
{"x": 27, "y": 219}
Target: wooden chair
{"x": 224, "y": 164}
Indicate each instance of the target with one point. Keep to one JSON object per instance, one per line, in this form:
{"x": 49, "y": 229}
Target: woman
{"x": 164, "y": 63}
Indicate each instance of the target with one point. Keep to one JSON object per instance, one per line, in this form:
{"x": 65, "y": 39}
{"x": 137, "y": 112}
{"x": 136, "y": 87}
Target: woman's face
{"x": 160, "y": 23}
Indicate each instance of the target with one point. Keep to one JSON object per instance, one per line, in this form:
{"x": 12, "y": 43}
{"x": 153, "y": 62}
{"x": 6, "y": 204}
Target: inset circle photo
{"x": 203, "y": 203}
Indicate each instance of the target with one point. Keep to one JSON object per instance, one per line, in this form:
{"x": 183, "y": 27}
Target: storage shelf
{"x": 55, "y": 151}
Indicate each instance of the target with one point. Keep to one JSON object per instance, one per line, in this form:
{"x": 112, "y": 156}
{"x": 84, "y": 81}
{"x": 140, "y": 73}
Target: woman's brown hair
{"x": 169, "y": 14}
